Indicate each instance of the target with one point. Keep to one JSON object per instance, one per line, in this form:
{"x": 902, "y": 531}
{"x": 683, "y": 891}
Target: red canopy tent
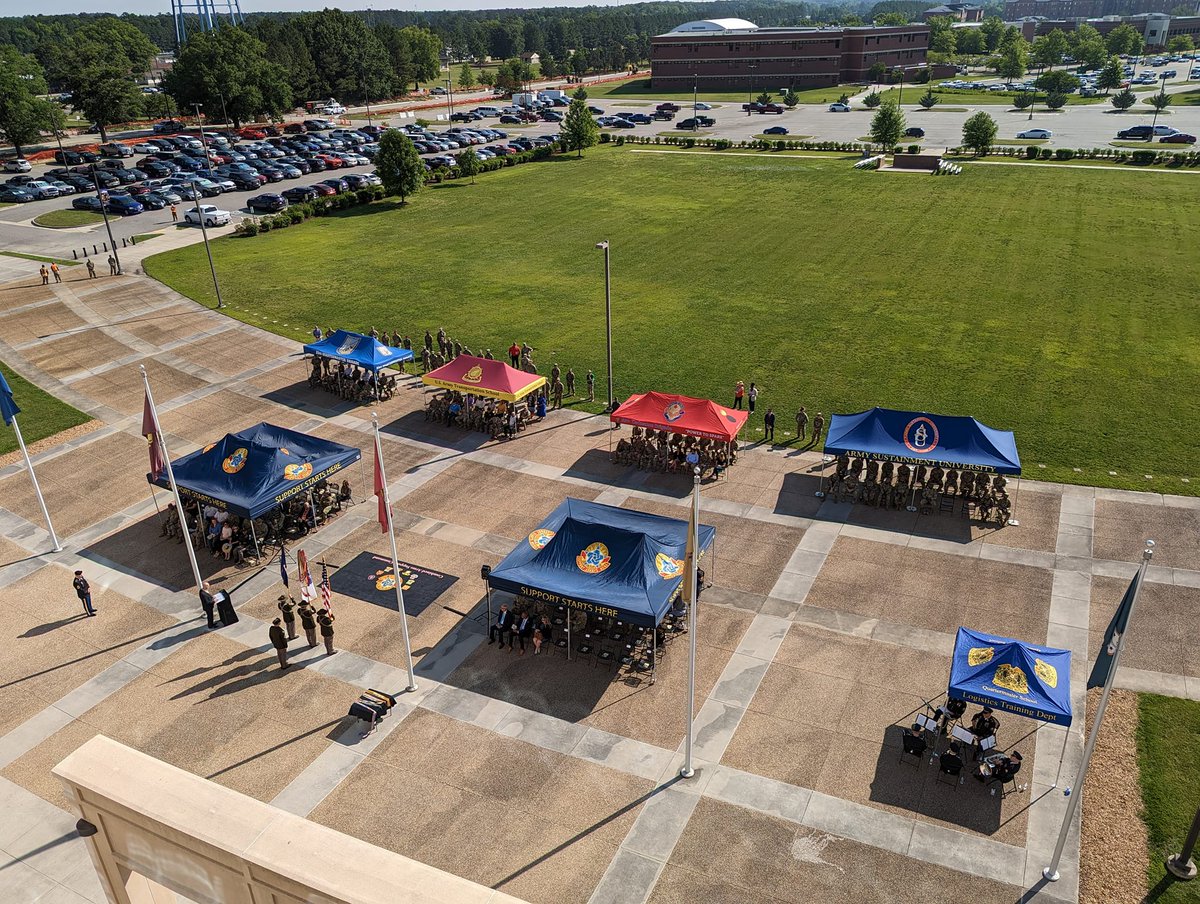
{"x": 681, "y": 414}
{"x": 484, "y": 377}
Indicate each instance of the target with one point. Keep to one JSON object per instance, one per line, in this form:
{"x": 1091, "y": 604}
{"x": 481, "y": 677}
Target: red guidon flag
{"x": 150, "y": 431}
{"x": 384, "y": 521}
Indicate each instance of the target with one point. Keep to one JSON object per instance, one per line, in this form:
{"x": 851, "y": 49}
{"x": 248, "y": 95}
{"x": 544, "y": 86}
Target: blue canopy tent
{"x": 602, "y": 560}
{"x": 914, "y": 437}
{"x": 1006, "y": 674}
{"x": 358, "y": 349}
{"x": 252, "y": 472}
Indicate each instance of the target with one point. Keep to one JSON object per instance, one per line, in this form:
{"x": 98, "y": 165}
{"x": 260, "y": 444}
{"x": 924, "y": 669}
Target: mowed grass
{"x": 1045, "y": 301}
{"x": 1169, "y": 761}
{"x": 41, "y": 414}
{"x": 640, "y": 87}
{"x": 62, "y": 219}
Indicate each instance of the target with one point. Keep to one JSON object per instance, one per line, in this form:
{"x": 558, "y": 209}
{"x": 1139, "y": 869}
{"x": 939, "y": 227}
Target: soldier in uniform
{"x": 466, "y": 350}
{"x": 308, "y": 621}
{"x": 441, "y": 340}
{"x": 279, "y": 642}
{"x": 406, "y": 343}
{"x": 488, "y": 355}
{"x": 288, "y": 607}
{"x": 818, "y": 426}
{"x": 591, "y": 385}
{"x": 395, "y": 339}
{"x": 557, "y": 388}
{"x": 425, "y": 358}
{"x": 325, "y": 621}
{"x": 555, "y": 373}
{"x": 801, "y": 423}
{"x": 570, "y": 382}
{"x": 458, "y": 349}
{"x": 428, "y": 341}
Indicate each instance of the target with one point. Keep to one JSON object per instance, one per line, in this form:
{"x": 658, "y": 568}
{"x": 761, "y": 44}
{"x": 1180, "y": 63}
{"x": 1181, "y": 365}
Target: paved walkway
{"x": 38, "y": 844}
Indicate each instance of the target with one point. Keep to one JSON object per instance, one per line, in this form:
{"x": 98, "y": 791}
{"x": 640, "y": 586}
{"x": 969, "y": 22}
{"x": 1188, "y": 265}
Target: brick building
{"x": 1156, "y": 28}
{"x": 959, "y": 12}
{"x": 734, "y": 53}
{"x": 1086, "y": 9}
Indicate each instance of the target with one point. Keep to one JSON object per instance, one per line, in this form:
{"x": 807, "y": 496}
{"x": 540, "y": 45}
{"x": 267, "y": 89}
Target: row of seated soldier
{"x": 670, "y": 453}
{"x": 887, "y": 486}
{"x": 351, "y": 382}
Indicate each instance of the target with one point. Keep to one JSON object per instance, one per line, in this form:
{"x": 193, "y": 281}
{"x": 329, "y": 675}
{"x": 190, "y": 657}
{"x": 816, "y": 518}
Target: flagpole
{"x": 37, "y": 489}
{"x": 1050, "y": 873}
{"x": 693, "y": 577}
{"x": 162, "y": 444}
{"x": 387, "y": 501}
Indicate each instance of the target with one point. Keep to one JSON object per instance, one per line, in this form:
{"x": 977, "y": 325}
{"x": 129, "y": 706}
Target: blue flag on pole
{"x": 283, "y": 564}
{"x": 8, "y": 408}
{"x": 1102, "y": 667}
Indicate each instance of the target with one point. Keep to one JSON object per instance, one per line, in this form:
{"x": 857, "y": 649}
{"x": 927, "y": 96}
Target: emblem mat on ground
{"x": 368, "y": 577}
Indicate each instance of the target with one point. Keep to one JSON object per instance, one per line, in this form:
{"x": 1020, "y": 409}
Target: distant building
{"x": 530, "y": 58}
{"x": 1156, "y": 28}
{"x": 959, "y": 12}
{"x": 734, "y": 53}
{"x": 1086, "y": 9}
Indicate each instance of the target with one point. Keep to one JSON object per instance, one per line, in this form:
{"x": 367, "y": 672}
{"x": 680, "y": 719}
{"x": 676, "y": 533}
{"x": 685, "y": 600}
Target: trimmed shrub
{"x": 247, "y": 227}
{"x": 264, "y": 225}
{"x": 1045, "y": 154}
{"x": 914, "y": 148}
{"x": 294, "y": 215}
{"x": 1064, "y": 154}
{"x": 605, "y": 137}
{"x": 281, "y": 221}
{"x": 365, "y": 195}
{"x": 1143, "y": 158}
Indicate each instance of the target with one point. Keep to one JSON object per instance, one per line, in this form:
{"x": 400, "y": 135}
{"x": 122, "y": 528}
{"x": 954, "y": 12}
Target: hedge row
{"x": 1136, "y": 157}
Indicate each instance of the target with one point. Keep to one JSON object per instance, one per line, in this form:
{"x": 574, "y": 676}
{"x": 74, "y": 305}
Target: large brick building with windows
{"x": 734, "y": 53}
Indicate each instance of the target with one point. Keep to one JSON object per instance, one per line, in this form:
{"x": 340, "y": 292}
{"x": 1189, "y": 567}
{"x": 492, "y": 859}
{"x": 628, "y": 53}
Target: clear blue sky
{"x": 51, "y": 7}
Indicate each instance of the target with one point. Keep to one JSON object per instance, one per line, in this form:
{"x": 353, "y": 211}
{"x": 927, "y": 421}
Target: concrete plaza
{"x": 826, "y": 629}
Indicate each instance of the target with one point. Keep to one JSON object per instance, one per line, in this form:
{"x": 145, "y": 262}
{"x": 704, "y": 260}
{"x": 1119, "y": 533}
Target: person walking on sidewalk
{"x": 45, "y": 275}
{"x": 57, "y": 273}
{"x": 84, "y": 591}
{"x": 174, "y": 214}
{"x": 279, "y": 642}
{"x": 325, "y": 620}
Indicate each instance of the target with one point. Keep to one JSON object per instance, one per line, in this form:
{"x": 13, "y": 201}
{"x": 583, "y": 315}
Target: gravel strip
{"x": 1115, "y": 853}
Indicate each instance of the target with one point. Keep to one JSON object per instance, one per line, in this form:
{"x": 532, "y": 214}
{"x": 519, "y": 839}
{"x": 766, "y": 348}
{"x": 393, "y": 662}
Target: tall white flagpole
{"x": 387, "y": 501}
{"x": 162, "y": 444}
{"x": 687, "y": 771}
{"x": 36, "y": 489}
{"x": 1050, "y": 873}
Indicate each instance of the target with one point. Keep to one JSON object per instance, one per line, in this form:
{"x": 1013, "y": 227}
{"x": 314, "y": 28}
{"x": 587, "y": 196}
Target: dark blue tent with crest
{"x": 252, "y": 472}
{"x": 917, "y": 438}
{"x": 603, "y": 560}
{"x": 1006, "y": 674}
{"x": 358, "y": 349}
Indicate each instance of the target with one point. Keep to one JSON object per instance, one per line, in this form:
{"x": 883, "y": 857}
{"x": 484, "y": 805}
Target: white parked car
{"x": 213, "y": 216}
{"x": 1036, "y": 133}
{"x": 146, "y": 148}
{"x": 839, "y": 108}
{"x": 19, "y": 165}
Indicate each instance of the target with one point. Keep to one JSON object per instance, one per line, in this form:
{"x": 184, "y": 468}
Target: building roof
{"x": 713, "y": 26}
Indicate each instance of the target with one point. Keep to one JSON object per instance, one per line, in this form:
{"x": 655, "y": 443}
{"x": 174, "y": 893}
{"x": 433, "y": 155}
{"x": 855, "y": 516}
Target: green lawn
{"x": 1169, "y": 761}
{"x": 640, "y": 87}
{"x": 41, "y": 414}
{"x": 38, "y": 257}
{"x": 62, "y": 219}
{"x": 1187, "y": 98}
{"x": 1012, "y": 297}
{"x": 986, "y": 98}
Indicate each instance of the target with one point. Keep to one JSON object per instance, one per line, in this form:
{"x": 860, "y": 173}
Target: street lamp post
{"x": 224, "y": 114}
{"x": 608, "y": 320}
{"x": 450, "y": 98}
{"x": 1162, "y": 90}
{"x": 200, "y": 216}
{"x": 102, "y": 197}
{"x": 1032, "y": 101}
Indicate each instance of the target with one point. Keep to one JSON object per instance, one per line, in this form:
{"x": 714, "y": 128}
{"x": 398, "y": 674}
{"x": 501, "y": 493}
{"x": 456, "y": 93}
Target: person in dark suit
{"x": 523, "y": 628}
{"x": 951, "y": 761}
{"x": 83, "y": 590}
{"x": 503, "y": 627}
{"x": 543, "y": 632}
{"x": 208, "y": 602}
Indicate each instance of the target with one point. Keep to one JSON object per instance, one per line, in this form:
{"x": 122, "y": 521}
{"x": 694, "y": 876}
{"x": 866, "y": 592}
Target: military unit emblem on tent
{"x": 235, "y": 462}
{"x": 594, "y": 559}
{"x": 540, "y": 537}
{"x": 921, "y": 435}
{"x": 668, "y": 567}
{"x": 673, "y": 412}
{"x": 298, "y": 472}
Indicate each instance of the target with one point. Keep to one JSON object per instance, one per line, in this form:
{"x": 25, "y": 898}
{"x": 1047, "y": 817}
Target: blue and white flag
{"x": 8, "y": 408}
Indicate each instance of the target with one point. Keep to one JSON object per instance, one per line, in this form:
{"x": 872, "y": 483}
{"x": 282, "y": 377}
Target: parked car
{"x": 592, "y": 108}
{"x": 116, "y": 149}
{"x": 40, "y": 189}
{"x": 168, "y": 127}
{"x": 914, "y": 132}
{"x": 67, "y": 158}
{"x": 667, "y": 107}
{"x": 298, "y": 194}
{"x": 252, "y": 133}
{"x": 636, "y": 118}
{"x": 1036, "y": 134}
{"x": 839, "y": 108}
{"x": 664, "y": 114}
{"x": 509, "y": 119}
{"x": 1178, "y": 138}
{"x": 323, "y": 190}
{"x": 211, "y": 216}
{"x": 87, "y": 202}
{"x": 64, "y": 188}
{"x": 1143, "y": 133}
{"x": 338, "y": 185}
{"x": 775, "y": 130}
{"x": 152, "y": 200}
{"x": 267, "y": 203}
{"x": 18, "y": 165}
{"x": 14, "y": 194}
{"x": 124, "y": 205}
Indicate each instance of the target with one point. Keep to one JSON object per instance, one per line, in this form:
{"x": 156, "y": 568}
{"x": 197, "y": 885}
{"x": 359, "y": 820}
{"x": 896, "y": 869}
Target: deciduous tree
{"x": 24, "y": 113}
{"x": 468, "y": 164}
{"x": 1111, "y": 75}
{"x": 579, "y": 129}
{"x": 1125, "y": 40}
{"x": 887, "y": 125}
{"x": 978, "y": 133}
{"x": 399, "y": 165}
{"x": 1013, "y": 60}
{"x": 227, "y": 71}
{"x": 98, "y": 65}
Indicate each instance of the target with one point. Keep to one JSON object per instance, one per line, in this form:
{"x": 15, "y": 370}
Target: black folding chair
{"x": 950, "y": 773}
{"x": 913, "y": 745}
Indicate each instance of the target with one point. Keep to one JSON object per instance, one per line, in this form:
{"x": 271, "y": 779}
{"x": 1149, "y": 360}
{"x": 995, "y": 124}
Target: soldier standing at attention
{"x": 428, "y": 342}
{"x": 570, "y": 382}
{"x": 441, "y": 340}
{"x": 458, "y": 349}
{"x": 83, "y": 590}
{"x": 557, "y": 388}
{"x": 818, "y": 426}
{"x": 91, "y": 265}
{"x": 288, "y": 608}
{"x": 591, "y": 385}
{"x": 769, "y": 425}
{"x": 555, "y": 373}
{"x": 406, "y": 343}
{"x": 801, "y": 423}
{"x": 425, "y": 358}
{"x": 308, "y": 622}
{"x": 325, "y": 620}
{"x": 279, "y": 642}
{"x": 489, "y": 356}
{"x": 112, "y": 266}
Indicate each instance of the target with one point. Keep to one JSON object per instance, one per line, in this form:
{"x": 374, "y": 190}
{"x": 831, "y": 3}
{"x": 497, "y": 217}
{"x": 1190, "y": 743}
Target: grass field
{"x": 38, "y": 257}
{"x": 640, "y": 87}
{"x": 62, "y": 219}
{"x": 1187, "y": 98}
{"x": 41, "y": 414}
{"x": 1044, "y": 301}
{"x": 1169, "y": 761}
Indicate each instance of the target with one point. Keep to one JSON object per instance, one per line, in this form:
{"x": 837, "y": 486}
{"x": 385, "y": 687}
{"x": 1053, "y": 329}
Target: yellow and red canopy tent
{"x": 484, "y": 377}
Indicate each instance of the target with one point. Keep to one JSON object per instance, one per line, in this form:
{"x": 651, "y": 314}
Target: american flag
{"x": 325, "y": 585}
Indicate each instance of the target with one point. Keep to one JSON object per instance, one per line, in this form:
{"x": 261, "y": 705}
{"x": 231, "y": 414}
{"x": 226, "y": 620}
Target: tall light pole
{"x": 1163, "y": 92}
{"x": 450, "y": 98}
{"x": 102, "y": 197}
{"x": 224, "y": 114}
{"x": 608, "y": 320}
{"x": 200, "y": 216}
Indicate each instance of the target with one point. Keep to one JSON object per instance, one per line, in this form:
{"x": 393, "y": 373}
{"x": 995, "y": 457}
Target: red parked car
{"x": 252, "y": 134}
{"x": 294, "y": 128}
{"x": 331, "y": 161}
{"x": 323, "y": 190}
{"x": 1178, "y": 138}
